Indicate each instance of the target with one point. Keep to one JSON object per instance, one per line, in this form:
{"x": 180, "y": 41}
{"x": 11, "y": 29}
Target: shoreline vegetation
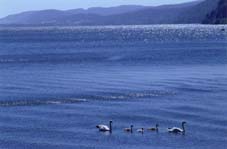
{"x": 196, "y": 12}
{"x": 219, "y": 15}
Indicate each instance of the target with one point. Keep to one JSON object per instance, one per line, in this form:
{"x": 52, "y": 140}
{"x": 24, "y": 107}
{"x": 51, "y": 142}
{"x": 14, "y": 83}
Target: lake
{"x": 58, "y": 83}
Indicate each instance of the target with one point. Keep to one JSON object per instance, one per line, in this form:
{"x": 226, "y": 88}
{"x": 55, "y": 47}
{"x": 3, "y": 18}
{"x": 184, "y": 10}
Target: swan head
{"x": 157, "y": 125}
{"x": 132, "y": 126}
{"x": 111, "y": 121}
{"x": 184, "y": 123}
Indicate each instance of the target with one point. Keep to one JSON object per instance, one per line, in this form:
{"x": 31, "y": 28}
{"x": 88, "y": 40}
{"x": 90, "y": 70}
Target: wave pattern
{"x": 57, "y": 83}
{"x": 33, "y": 102}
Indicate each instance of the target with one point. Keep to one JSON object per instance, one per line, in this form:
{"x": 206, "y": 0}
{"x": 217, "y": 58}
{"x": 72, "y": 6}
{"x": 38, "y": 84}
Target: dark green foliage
{"x": 219, "y": 15}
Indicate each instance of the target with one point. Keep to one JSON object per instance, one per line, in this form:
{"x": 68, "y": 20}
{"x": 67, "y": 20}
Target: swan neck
{"x": 156, "y": 128}
{"x": 110, "y": 127}
{"x": 183, "y": 128}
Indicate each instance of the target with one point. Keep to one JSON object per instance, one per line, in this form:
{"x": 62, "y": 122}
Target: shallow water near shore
{"x": 58, "y": 83}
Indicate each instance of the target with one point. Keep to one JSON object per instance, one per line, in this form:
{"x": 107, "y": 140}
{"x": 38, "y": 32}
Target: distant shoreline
{"x": 196, "y": 12}
{"x": 19, "y": 25}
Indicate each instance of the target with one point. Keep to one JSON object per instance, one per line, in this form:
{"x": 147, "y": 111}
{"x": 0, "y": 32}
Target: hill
{"x": 73, "y": 17}
{"x": 219, "y": 15}
{"x": 192, "y": 12}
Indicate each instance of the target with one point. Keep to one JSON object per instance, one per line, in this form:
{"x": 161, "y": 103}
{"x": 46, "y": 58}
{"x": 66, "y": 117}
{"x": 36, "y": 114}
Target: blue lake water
{"x": 58, "y": 83}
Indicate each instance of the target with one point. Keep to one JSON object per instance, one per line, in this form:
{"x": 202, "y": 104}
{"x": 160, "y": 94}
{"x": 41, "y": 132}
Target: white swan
{"x": 141, "y": 130}
{"x": 129, "y": 129}
{"x": 104, "y": 128}
{"x": 153, "y": 128}
{"x": 177, "y": 130}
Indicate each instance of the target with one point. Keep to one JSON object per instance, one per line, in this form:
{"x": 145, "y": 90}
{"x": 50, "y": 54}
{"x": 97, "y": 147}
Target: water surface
{"x": 57, "y": 83}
